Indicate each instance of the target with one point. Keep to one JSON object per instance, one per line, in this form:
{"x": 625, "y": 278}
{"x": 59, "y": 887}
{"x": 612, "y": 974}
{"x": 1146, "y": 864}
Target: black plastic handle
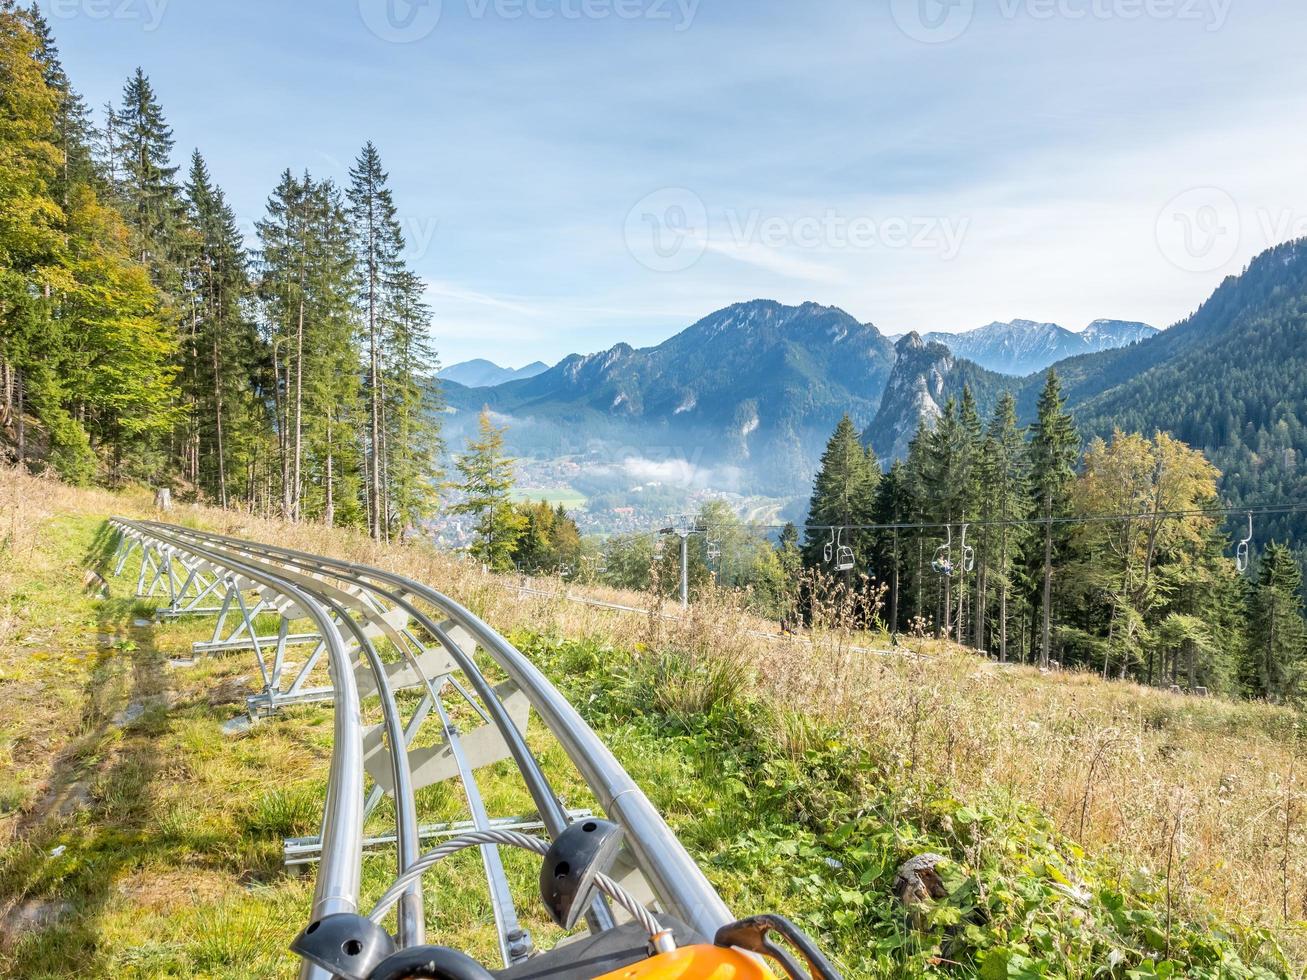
{"x": 754, "y": 934}
{"x": 430, "y": 963}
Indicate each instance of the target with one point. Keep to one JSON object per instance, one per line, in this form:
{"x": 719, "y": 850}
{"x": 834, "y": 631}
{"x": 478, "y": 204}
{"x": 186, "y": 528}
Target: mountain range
{"x": 1230, "y": 379}
{"x": 480, "y": 373}
{"x": 757, "y": 387}
{"x": 1023, "y": 346}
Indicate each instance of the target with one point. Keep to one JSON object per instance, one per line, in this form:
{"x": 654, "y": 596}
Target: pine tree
{"x": 948, "y": 484}
{"x": 411, "y": 438}
{"x": 149, "y": 191}
{"x": 74, "y": 132}
{"x": 893, "y": 505}
{"x": 917, "y": 488}
{"x": 307, "y": 292}
{"x": 486, "y": 480}
{"x": 970, "y": 476}
{"x": 1276, "y": 655}
{"x": 332, "y": 466}
{"x": 225, "y": 358}
{"x": 378, "y": 245}
{"x": 1005, "y": 499}
{"x": 283, "y": 290}
{"x": 843, "y": 495}
{"x": 1054, "y": 446}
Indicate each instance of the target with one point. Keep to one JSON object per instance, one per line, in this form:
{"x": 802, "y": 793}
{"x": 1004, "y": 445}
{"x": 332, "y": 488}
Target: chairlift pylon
{"x": 1243, "y": 553}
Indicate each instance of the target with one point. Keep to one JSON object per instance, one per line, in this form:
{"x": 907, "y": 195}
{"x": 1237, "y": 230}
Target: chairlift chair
{"x": 828, "y": 552}
{"x": 942, "y": 563}
{"x": 844, "y": 557}
{"x": 1243, "y": 553}
{"x": 968, "y": 552}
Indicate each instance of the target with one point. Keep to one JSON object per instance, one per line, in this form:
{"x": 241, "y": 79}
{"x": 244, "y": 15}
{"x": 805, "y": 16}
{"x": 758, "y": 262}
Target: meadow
{"x": 1091, "y": 828}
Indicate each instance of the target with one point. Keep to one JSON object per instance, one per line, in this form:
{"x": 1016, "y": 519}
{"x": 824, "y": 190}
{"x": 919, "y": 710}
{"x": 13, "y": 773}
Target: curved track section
{"x": 375, "y": 634}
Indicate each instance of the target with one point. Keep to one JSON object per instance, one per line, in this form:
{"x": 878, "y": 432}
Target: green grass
{"x": 172, "y": 831}
{"x": 789, "y": 815}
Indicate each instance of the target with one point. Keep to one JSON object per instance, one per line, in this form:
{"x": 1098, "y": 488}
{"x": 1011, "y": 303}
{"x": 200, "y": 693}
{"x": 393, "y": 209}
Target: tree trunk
{"x": 297, "y": 488}
{"x": 894, "y": 593}
{"x": 1046, "y": 631}
{"x": 217, "y": 417}
{"x": 329, "y": 517}
{"x": 20, "y": 383}
{"x": 374, "y": 460}
{"x": 383, "y": 506}
{"x": 7, "y": 384}
{"x": 1002, "y": 597}
{"x": 948, "y": 609}
{"x": 962, "y": 603}
{"x": 281, "y": 406}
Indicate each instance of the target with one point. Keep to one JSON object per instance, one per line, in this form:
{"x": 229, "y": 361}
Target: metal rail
{"x": 380, "y": 634}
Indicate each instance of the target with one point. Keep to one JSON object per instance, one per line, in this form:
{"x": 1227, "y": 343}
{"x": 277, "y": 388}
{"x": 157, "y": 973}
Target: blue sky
{"x": 574, "y": 173}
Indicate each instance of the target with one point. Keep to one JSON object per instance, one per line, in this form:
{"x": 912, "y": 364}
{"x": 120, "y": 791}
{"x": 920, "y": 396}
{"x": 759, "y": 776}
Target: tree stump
{"x": 163, "y": 499}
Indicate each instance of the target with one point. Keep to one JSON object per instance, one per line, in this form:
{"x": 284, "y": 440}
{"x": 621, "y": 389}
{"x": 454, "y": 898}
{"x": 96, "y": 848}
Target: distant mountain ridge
{"x": 480, "y": 373}
{"x": 926, "y": 375}
{"x": 1229, "y": 379}
{"x": 757, "y": 387}
{"x": 1021, "y": 347}
{"x": 756, "y": 381}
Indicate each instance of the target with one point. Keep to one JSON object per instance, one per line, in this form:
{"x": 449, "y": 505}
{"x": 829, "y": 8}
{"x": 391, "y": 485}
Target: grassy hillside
{"x": 1092, "y": 829}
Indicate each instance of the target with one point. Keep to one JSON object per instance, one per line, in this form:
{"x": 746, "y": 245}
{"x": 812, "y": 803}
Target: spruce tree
{"x": 842, "y": 497}
{"x": 1005, "y": 500}
{"x": 148, "y": 187}
{"x": 307, "y": 291}
{"x": 224, "y": 352}
{"x": 486, "y": 479}
{"x": 378, "y": 244}
{"x": 74, "y": 133}
{"x": 1276, "y": 656}
{"x": 411, "y": 439}
{"x": 1054, "y": 446}
{"x": 283, "y": 292}
{"x": 948, "y": 484}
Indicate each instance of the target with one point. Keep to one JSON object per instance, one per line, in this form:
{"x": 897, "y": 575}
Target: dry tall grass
{"x": 1213, "y": 789}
